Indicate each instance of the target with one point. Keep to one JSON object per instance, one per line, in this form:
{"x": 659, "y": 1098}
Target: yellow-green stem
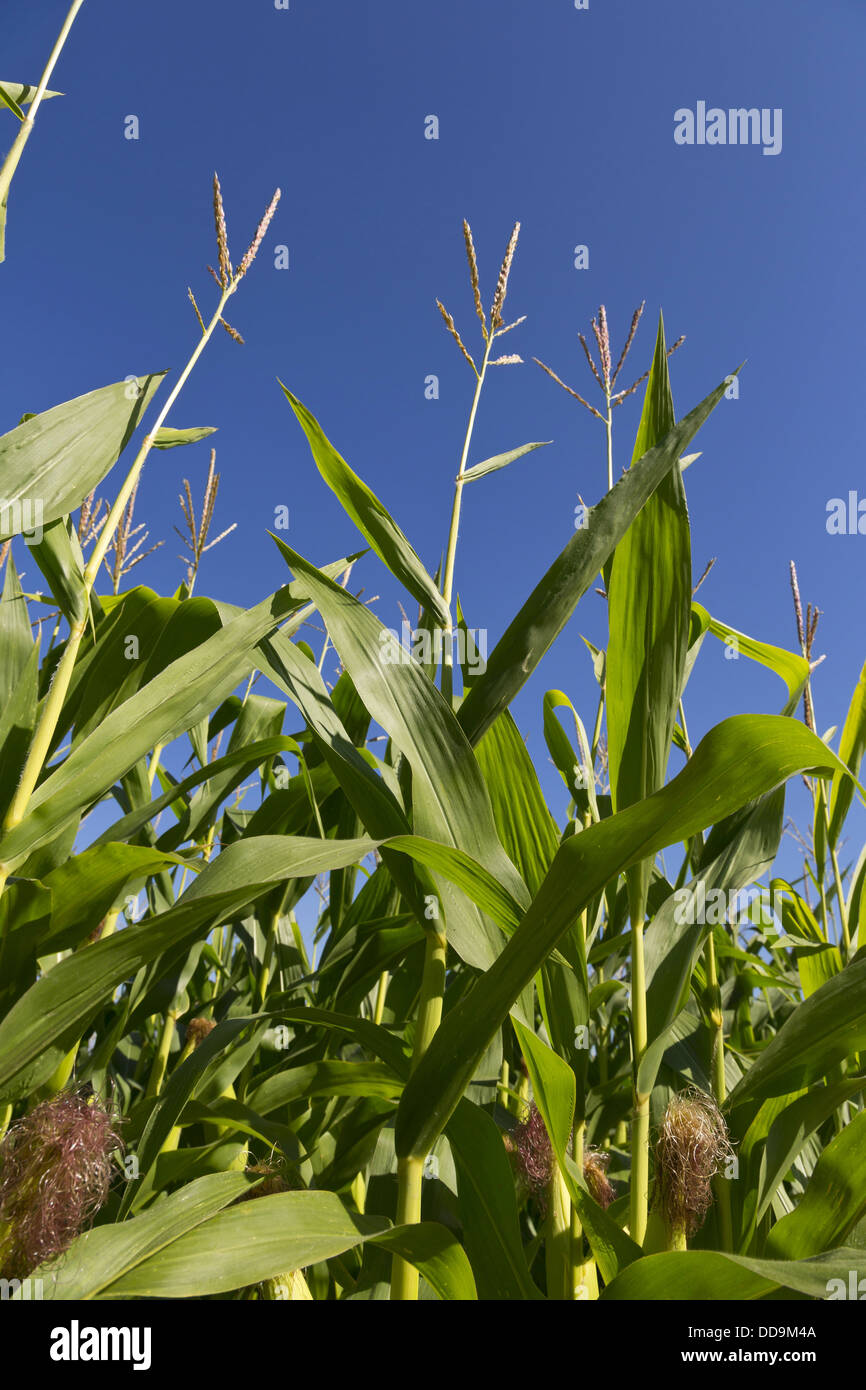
{"x": 381, "y": 994}
{"x": 723, "y": 1193}
{"x": 53, "y": 706}
{"x": 10, "y": 163}
{"x": 163, "y": 1052}
{"x": 557, "y": 1242}
{"x": 504, "y": 1085}
{"x": 640, "y": 1116}
{"x": 677, "y": 1238}
{"x": 410, "y": 1170}
{"x": 410, "y": 1177}
{"x": 454, "y": 529}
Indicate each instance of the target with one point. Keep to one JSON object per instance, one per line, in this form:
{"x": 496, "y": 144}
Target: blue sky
{"x": 563, "y": 119}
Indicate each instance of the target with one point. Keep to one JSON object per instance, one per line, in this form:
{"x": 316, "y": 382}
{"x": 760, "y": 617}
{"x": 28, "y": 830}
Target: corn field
{"x": 306, "y": 993}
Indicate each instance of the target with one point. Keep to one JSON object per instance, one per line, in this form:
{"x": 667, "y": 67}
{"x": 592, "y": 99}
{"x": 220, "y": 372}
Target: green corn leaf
{"x": 369, "y": 515}
{"x": 789, "y": 667}
{"x": 552, "y": 602}
{"x": 553, "y": 1087}
{"x": 58, "y": 555}
{"x": 22, "y": 93}
{"x": 488, "y": 1206}
{"x": 167, "y": 1110}
{"x": 737, "y": 761}
{"x": 824, "y": 1030}
{"x": 164, "y": 708}
{"x": 649, "y": 605}
{"x": 708, "y": 1275}
{"x": 16, "y": 637}
{"x": 450, "y": 798}
{"x": 785, "y": 1139}
{"x": 46, "y": 1021}
{"x": 194, "y": 1245}
{"x": 9, "y": 101}
{"x": 852, "y": 746}
{"x": 51, "y": 462}
{"x": 98, "y": 1258}
{"x": 166, "y": 438}
{"x": 491, "y": 465}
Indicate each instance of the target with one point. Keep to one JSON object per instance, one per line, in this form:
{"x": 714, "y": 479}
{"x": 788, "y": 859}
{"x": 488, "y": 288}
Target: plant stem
{"x": 51, "y": 711}
{"x": 381, "y": 993}
{"x": 677, "y": 1238}
{"x": 717, "y": 1021}
{"x": 410, "y": 1176}
{"x": 557, "y": 1242}
{"x": 641, "y": 1115}
{"x": 10, "y": 163}
{"x": 609, "y": 429}
{"x": 160, "y": 1062}
{"x": 410, "y": 1170}
{"x": 504, "y": 1085}
{"x": 454, "y": 529}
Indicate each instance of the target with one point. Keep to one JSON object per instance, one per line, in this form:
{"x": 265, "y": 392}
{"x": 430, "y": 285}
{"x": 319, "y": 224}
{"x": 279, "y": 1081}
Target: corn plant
{"x": 517, "y": 1057}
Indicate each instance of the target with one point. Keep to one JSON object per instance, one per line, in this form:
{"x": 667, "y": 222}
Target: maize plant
{"x": 306, "y": 992}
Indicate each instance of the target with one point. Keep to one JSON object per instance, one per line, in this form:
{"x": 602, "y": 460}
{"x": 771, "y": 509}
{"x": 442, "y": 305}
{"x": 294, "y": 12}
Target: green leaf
{"x": 488, "y": 1206}
{"x": 16, "y": 637}
{"x": 708, "y": 1274}
{"x": 7, "y": 99}
{"x": 98, "y": 1258}
{"x": 490, "y": 465}
{"x": 46, "y": 1021}
{"x": 58, "y": 555}
{"x": 372, "y": 519}
{"x": 51, "y": 462}
{"x": 824, "y": 1030}
{"x": 375, "y": 802}
{"x": 552, "y": 602}
{"x": 649, "y": 607}
{"x": 331, "y": 1078}
{"x": 834, "y": 1200}
{"x": 242, "y": 1245}
{"x": 788, "y": 1133}
{"x": 737, "y": 761}
{"x": 553, "y": 1087}
{"x": 459, "y": 868}
{"x": 86, "y": 886}
{"x": 736, "y": 854}
{"x": 245, "y": 758}
{"x": 852, "y": 746}
{"x": 450, "y": 800}
{"x": 164, "y": 708}
{"x": 789, "y": 667}
{"x": 166, "y": 438}
{"x": 525, "y": 826}
{"x": 22, "y": 93}
{"x": 437, "y": 1254}
{"x": 168, "y": 1108}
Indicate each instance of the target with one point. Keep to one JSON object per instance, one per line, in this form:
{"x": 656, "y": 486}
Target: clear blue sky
{"x": 563, "y": 119}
